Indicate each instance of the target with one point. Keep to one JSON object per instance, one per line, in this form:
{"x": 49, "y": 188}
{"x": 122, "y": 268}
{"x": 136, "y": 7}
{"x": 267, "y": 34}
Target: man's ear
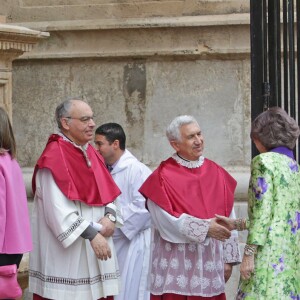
{"x": 174, "y": 144}
{"x": 116, "y": 144}
{"x": 65, "y": 123}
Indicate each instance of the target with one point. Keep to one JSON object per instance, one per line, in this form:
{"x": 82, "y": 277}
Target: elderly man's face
{"x": 192, "y": 143}
{"x": 79, "y": 125}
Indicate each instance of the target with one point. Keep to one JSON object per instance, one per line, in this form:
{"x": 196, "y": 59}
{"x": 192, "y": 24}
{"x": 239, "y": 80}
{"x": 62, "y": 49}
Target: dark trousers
{"x": 10, "y": 259}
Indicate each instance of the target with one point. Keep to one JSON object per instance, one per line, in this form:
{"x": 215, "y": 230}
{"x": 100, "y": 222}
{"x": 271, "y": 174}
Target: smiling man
{"x": 74, "y": 256}
{"x": 132, "y": 240}
{"x": 192, "y": 255}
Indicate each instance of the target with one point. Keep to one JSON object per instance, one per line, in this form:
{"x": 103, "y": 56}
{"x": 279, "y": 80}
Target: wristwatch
{"x": 111, "y": 217}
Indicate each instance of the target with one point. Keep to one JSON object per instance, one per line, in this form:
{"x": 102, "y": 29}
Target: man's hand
{"x": 247, "y": 266}
{"x": 108, "y": 227}
{"x": 101, "y": 247}
{"x": 218, "y": 231}
{"x": 227, "y": 271}
{"x": 226, "y": 222}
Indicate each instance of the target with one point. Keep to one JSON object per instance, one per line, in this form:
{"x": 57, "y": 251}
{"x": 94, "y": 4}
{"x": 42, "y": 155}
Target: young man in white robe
{"x": 74, "y": 216}
{"x": 132, "y": 240}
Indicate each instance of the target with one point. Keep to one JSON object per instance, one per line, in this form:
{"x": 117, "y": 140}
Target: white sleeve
{"x": 184, "y": 229}
{"x": 61, "y": 214}
{"x": 136, "y": 216}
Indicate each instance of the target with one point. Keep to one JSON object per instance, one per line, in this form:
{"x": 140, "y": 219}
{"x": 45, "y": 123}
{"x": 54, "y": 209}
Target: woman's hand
{"x": 227, "y": 271}
{"x": 226, "y": 222}
{"x": 247, "y": 266}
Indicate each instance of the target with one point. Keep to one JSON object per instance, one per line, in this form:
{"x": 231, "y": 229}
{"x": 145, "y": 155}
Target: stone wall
{"x": 57, "y": 10}
{"x": 139, "y": 63}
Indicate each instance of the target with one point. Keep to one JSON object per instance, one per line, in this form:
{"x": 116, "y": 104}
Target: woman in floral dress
{"x": 271, "y": 264}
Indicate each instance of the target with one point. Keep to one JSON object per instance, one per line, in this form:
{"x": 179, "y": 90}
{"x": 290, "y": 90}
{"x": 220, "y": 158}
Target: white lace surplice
{"x": 184, "y": 261}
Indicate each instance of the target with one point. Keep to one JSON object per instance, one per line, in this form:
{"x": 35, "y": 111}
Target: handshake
{"x": 220, "y": 227}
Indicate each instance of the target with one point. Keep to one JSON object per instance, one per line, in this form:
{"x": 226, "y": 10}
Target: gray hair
{"x": 274, "y": 128}
{"x": 173, "y": 130}
{"x": 63, "y": 110}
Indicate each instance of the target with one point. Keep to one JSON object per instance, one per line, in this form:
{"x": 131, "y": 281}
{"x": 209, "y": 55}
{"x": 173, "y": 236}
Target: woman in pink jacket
{"x": 15, "y": 236}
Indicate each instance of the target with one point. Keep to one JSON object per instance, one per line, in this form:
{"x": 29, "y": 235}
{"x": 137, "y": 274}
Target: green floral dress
{"x": 274, "y": 225}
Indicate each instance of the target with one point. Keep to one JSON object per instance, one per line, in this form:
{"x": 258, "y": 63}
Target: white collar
{"x": 189, "y": 163}
{"x": 83, "y": 147}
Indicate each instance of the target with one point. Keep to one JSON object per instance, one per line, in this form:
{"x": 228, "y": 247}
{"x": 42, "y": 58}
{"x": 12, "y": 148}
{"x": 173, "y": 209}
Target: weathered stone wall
{"x": 139, "y": 63}
{"x": 56, "y": 10}
{"x": 143, "y": 96}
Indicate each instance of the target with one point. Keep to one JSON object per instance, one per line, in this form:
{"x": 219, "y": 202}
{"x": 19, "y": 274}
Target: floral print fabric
{"x": 274, "y": 215}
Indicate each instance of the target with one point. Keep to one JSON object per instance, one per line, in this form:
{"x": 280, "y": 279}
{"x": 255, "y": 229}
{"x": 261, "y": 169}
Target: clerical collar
{"x": 82, "y": 147}
{"x": 188, "y": 163}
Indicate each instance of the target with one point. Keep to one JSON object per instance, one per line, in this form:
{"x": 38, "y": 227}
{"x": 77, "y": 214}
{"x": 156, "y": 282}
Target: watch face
{"x": 111, "y": 217}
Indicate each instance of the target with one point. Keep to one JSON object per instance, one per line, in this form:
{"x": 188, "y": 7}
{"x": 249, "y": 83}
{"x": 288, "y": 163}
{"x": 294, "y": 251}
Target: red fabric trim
{"x": 91, "y": 185}
{"x": 182, "y": 297}
{"x": 37, "y": 297}
{"x": 201, "y": 192}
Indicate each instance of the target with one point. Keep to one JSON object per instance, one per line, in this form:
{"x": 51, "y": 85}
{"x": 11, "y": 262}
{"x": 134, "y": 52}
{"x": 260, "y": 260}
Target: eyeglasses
{"x": 82, "y": 119}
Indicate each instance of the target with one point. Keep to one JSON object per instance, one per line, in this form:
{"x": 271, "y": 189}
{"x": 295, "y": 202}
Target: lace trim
{"x": 191, "y": 164}
{"x": 195, "y": 229}
{"x": 192, "y": 269}
{"x": 232, "y": 251}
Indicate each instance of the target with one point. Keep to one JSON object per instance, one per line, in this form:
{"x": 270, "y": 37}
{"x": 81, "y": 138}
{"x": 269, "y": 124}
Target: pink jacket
{"x": 15, "y": 235}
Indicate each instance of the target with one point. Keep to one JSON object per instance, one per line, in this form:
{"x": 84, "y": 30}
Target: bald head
{"x": 75, "y": 120}
{"x": 64, "y": 109}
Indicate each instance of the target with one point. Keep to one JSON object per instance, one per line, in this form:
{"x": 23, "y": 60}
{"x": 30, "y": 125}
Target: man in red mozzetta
{"x": 74, "y": 215}
{"x": 192, "y": 255}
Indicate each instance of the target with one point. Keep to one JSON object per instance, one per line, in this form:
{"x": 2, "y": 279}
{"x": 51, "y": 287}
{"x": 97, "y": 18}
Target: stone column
{"x": 14, "y": 41}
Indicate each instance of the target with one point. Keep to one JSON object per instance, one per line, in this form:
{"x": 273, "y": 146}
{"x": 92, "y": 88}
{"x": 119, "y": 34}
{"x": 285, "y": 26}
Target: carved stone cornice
{"x": 217, "y": 36}
{"x": 18, "y": 38}
{"x": 135, "y": 23}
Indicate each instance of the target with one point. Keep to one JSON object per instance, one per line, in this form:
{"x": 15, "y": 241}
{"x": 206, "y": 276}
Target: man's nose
{"x": 198, "y": 140}
{"x": 91, "y": 123}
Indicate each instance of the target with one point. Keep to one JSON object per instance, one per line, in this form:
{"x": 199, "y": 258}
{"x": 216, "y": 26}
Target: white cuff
{"x": 97, "y": 226}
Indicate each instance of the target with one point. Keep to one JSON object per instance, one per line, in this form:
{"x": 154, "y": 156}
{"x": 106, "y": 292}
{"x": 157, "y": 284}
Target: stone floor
{"x": 27, "y": 295}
